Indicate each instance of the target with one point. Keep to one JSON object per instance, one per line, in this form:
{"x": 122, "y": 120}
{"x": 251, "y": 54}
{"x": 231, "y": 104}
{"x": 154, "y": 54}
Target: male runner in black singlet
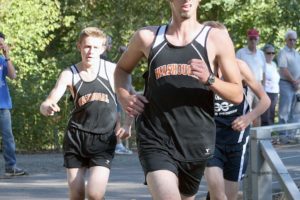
{"x": 175, "y": 124}
{"x": 90, "y": 139}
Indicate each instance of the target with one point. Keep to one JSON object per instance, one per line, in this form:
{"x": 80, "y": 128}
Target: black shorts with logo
{"x": 189, "y": 173}
{"x": 84, "y": 149}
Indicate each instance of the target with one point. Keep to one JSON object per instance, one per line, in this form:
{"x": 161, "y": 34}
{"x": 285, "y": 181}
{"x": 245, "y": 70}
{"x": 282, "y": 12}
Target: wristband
{"x": 7, "y": 59}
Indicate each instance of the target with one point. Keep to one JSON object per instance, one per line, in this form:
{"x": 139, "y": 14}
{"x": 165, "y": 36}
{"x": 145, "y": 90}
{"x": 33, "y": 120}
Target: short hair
{"x": 92, "y": 31}
{"x": 2, "y": 35}
{"x": 290, "y": 32}
{"x": 268, "y": 46}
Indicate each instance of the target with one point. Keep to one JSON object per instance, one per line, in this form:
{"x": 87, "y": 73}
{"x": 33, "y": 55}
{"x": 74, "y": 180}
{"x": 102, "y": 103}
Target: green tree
{"x": 43, "y": 36}
{"x": 29, "y": 26}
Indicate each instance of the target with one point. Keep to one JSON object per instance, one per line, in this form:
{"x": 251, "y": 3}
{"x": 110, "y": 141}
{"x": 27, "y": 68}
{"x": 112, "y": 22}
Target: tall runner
{"x": 175, "y": 124}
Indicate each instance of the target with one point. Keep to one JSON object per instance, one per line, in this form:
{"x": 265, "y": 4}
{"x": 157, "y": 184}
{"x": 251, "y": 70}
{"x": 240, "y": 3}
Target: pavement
{"x": 47, "y": 177}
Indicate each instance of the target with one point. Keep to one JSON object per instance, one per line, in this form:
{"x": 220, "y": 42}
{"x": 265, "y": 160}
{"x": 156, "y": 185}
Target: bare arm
{"x": 49, "y": 106}
{"x": 230, "y": 88}
{"x": 138, "y": 48}
{"x": 264, "y": 101}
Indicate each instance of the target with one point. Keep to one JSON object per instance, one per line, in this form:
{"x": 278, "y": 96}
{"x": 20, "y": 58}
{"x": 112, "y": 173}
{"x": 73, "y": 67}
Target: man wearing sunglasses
{"x": 255, "y": 59}
{"x": 289, "y": 65}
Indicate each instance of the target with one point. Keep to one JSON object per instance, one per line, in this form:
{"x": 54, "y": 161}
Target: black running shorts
{"x": 83, "y": 149}
{"x": 189, "y": 173}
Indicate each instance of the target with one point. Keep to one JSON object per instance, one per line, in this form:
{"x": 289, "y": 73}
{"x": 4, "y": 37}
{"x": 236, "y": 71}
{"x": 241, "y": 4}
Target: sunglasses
{"x": 292, "y": 40}
{"x": 270, "y": 53}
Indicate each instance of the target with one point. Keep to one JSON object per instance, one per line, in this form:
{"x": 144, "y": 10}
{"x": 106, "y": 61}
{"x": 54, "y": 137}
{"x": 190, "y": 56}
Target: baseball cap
{"x": 253, "y": 33}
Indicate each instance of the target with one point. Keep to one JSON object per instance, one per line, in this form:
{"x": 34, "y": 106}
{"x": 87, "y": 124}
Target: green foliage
{"x": 43, "y": 34}
{"x": 29, "y": 26}
{"x": 271, "y": 17}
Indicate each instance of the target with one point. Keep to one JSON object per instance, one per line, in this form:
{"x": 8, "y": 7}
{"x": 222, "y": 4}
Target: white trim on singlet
{"x": 202, "y": 36}
{"x": 76, "y": 79}
{"x": 161, "y": 48}
{"x": 111, "y": 94}
{"x": 245, "y": 107}
{"x": 75, "y": 95}
{"x": 108, "y": 72}
{"x": 243, "y": 159}
{"x": 160, "y": 37}
{"x": 108, "y": 79}
{"x": 201, "y": 39}
{"x": 76, "y": 76}
{"x": 247, "y": 99}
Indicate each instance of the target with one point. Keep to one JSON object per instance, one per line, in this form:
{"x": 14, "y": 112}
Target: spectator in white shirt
{"x": 271, "y": 85}
{"x": 255, "y": 59}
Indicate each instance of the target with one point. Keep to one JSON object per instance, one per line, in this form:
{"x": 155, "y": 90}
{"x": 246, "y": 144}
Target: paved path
{"x": 47, "y": 178}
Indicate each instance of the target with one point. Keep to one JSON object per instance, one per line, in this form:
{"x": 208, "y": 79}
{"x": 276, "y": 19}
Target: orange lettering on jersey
{"x": 93, "y": 97}
{"x": 173, "y": 70}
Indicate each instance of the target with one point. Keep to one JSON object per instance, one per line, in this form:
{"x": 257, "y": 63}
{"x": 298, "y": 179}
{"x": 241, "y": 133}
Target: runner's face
{"x": 91, "y": 48}
{"x": 186, "y": 8}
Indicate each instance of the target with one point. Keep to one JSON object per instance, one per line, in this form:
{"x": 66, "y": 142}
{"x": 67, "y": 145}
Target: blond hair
{"x": 92, "y": 31}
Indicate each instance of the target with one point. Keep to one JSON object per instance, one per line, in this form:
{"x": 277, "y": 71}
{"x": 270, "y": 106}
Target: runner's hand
{"x": 199, "y": 70}
{"x": 134, "y": 104}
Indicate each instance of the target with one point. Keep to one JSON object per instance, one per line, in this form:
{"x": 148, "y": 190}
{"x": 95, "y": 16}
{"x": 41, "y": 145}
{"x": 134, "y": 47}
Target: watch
{"x": 211, "y": 79}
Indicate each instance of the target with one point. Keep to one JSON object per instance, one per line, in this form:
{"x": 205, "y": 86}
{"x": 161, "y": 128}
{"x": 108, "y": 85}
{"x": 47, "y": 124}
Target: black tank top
{"x": 179, "y": 116}
{"x": 94, "y": 103}
{"x": 225, "y": 114}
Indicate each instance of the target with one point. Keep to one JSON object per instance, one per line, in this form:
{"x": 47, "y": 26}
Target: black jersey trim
{"x": 190, "y": 43}
{"x": 107, "y": 88}
{"x": 71, "y": 68}
{"x": 75, "y": 71}
{"x": 245, "y": 92}
{"x": 201, "y": 38}
{"x": 205, "y": 40}
{"x": 77, "y": 91}
{"x": 151, "y": 54}
{"x": 205, "y": 30}
{"x": 205, "y": 44}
